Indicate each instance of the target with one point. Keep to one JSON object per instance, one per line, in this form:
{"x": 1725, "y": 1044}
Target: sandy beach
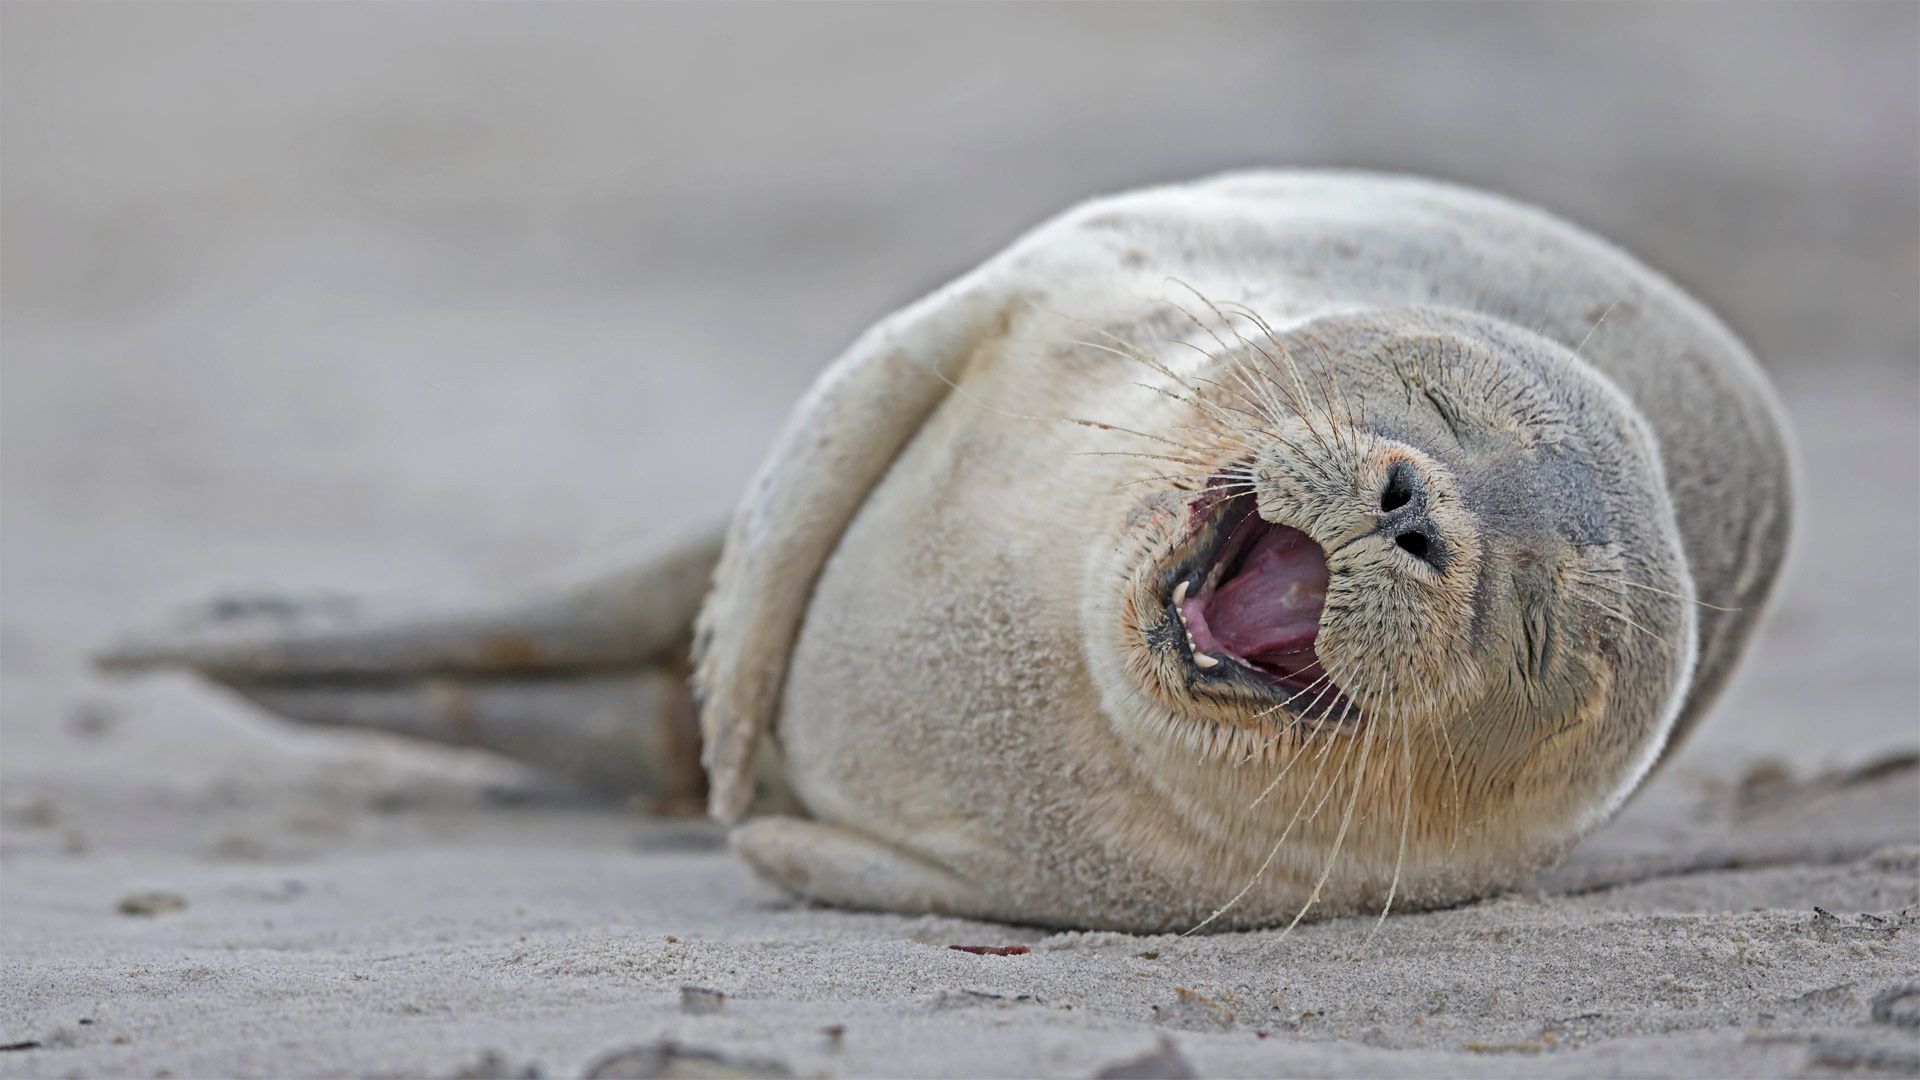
{"x": 427, "y": 300}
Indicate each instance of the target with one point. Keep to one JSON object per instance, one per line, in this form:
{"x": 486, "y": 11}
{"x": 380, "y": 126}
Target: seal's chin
{"x": 1249, "y": 594}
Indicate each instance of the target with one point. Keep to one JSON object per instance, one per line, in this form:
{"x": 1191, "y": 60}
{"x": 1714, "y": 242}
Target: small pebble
{"x": 152, "y": 903}
{"x": 92, "y": 719}
{"x": 700, "y": 1001}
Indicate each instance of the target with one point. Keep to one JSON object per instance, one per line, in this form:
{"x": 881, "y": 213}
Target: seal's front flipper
{"x": 830, "y": 865}
{"x": 835, "y": 448}
{"x": 588, "y": 681}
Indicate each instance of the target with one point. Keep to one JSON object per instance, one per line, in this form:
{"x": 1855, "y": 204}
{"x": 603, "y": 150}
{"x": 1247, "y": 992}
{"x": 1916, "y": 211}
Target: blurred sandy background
{"x": 428, "y": 298}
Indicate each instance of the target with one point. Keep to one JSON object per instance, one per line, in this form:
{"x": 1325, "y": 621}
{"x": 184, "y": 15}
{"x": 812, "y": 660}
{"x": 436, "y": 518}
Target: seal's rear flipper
{"x": 622, "y": 732}
{"x": 640, "y": 616}
{"x": 588, "y": 681}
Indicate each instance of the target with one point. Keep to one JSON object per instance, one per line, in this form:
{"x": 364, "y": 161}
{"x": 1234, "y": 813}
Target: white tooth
{"x": 1203, "y": 661}
{"x": 1179, "y": 594}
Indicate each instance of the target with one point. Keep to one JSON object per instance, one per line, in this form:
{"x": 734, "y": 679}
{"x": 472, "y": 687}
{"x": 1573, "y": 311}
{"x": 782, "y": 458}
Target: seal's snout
{"x": 1405, "y": 515}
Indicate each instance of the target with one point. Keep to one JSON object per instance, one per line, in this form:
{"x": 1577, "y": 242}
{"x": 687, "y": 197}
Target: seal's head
{"x": 1417, "y": 562}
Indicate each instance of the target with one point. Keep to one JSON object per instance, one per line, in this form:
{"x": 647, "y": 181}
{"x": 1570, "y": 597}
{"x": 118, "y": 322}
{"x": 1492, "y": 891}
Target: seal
{"x": 1279, "y": 544}
{"x": 1372, "y": 569}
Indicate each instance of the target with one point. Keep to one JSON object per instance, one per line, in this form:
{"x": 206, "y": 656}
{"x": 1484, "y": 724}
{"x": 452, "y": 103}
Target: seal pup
{"x": 1284, "y": 542}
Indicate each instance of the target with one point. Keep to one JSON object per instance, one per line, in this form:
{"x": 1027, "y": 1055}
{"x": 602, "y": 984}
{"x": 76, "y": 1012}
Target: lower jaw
{"x": 1295, "y": 683}
{"x": 1306, "y": 696}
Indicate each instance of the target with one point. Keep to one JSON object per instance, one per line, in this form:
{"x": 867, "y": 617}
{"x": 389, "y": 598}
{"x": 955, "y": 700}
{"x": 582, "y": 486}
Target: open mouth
{"x": 1249, "y": 594}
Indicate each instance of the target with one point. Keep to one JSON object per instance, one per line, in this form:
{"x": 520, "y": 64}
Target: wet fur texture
{"x": 939, "y": 597}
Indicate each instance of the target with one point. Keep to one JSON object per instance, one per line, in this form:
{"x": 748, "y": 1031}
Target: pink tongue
{"x": 1272, "y": 605}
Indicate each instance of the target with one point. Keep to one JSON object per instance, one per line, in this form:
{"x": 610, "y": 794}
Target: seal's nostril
{"x": 1413, "y": 543}
{"x": 1399, "y": 489}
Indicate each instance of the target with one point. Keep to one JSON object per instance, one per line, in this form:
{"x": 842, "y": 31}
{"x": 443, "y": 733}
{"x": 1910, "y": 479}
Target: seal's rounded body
{"x": 931, "y": 596}
{"x": 1218, "y": 553}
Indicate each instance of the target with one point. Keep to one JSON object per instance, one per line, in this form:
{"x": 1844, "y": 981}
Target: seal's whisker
{"x": 1260, "y": 417}
{"x": 1077, "y": 421}
{"x": 1608, "y": 580}
{"x": 1131, "y": 348}
{"x": 1237, "y": 488}
{"x": 1279, "y": 394}
{"x": 1239, "y": 474}
{"x": 1337, "y": 388}
{"x": 1285, "y": 358}
{"x": 1333, "y": 783}
{"x": 1098, "y": 425}
{"x": 1263, "y": 746}
{"x": 1271, "y": 709}
{"x": 1274, "y": 851}
{"x": 1195, "y": 397}
{"x": 1131, "y": 351}
{"x": 1235, "y": 427}
{"x": 1195, "y": 319}
{"x": 1221, "y": 357}
{"x": 1332, "y": 376}
{"x": 1299, "y": 399}
{"x": 1144, "y": 455}
{"x": 1275, "y": 782}
{"x": 1226, "y": 352}
{"x": 1226, "y": 320}
{"x": 1406, "y": 816}
{"x": 1244, "y": 374}
{"x": 1297, "y": 395}
{"x": 1248, "y": 313}
{"x": 1313, "y": 784}
{"x": 1271, "y": 405}
{"x": 1623, "y": 617}
{"x": 1240, "y": 487}
{"x": 1575, "y": 354}
{"x": 1245, "y": 424}
{"x": 1232, "y": 441}
{"x": 1453, "y": 779}
{"x": 1261, "y": 405}
{"x": 1339, "y": 839}
{"x": 1332, "y": 421}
